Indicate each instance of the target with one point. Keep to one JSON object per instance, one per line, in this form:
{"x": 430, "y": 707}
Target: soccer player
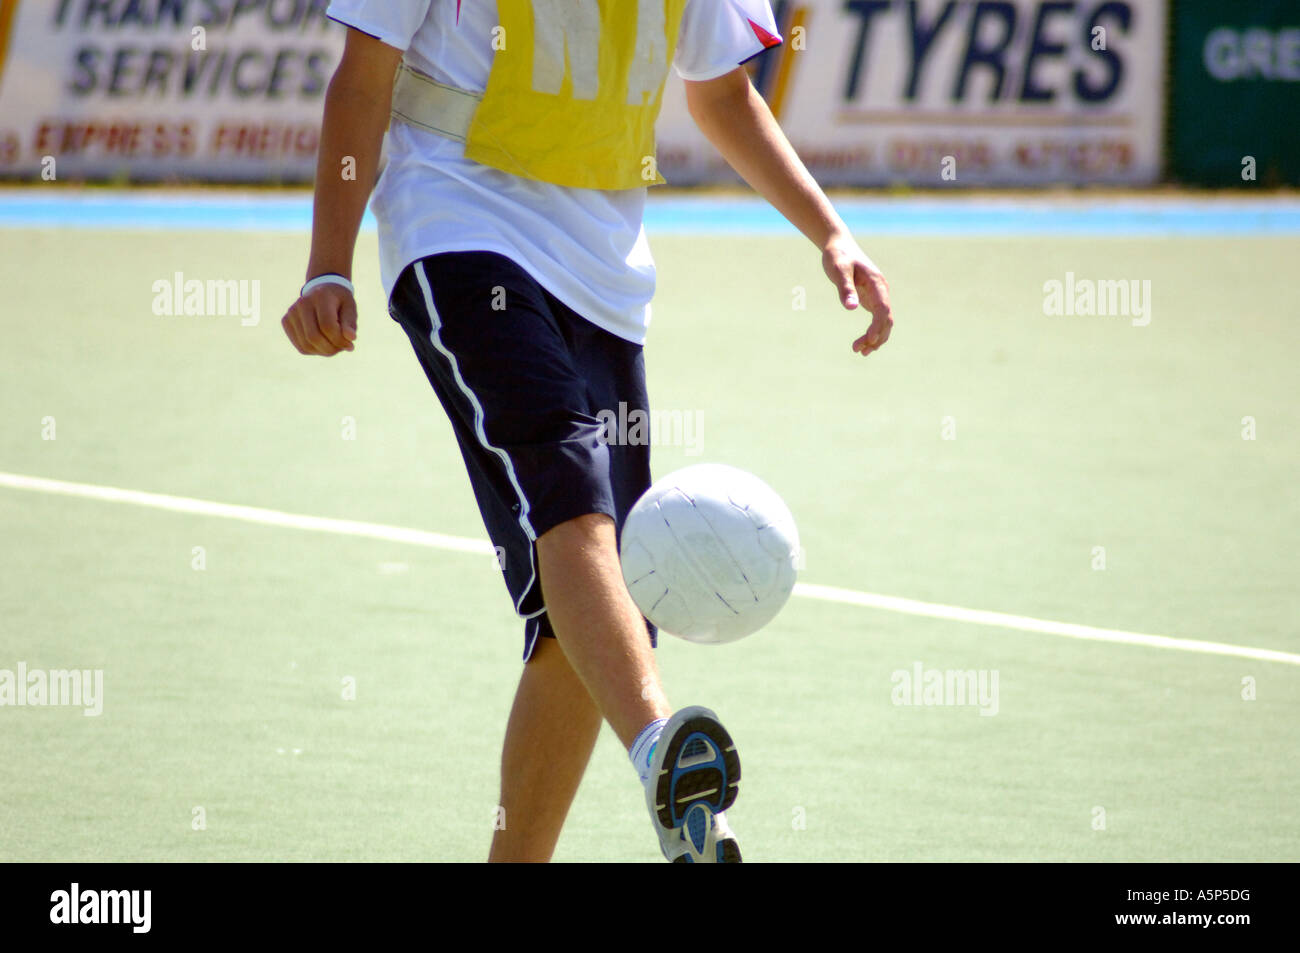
{"x": 512, "y": 253}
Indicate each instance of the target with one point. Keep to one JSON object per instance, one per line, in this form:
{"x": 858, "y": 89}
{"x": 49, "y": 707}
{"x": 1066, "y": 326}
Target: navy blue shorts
{"x": 523, "y": 379}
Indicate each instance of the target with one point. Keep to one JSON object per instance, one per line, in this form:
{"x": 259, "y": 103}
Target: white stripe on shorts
{"x": 524, "y": 522}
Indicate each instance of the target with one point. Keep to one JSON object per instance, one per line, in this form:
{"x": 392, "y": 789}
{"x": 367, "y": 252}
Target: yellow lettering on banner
{"x": 574, "y": 98}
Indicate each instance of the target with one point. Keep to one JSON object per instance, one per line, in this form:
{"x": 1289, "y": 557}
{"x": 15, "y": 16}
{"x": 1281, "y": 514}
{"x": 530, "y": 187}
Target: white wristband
{"x": 330, "y": 279}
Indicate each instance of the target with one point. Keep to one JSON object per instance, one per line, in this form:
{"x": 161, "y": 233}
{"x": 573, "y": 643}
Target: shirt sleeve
{"x": 718, "y": 35}
{"x": 394, "y": 23}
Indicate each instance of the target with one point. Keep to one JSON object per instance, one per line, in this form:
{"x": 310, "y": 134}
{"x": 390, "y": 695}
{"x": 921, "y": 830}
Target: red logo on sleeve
{"x": 768, "y": 40}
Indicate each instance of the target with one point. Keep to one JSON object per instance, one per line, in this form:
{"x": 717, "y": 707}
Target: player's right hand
{"x": 324, "y": 322}
{"x": 860, "y": 283}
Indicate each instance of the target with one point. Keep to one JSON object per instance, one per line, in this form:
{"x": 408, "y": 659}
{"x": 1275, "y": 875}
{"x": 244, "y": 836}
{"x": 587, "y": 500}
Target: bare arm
{"x": 734, "y": 117}
{"x": 357, "y": 105}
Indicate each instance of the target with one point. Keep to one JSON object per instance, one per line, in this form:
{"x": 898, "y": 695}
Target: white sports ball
{"x": 709, "y": 553}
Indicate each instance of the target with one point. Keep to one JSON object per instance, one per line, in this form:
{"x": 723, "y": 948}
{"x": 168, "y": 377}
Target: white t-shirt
{"x": 586, "y": 247}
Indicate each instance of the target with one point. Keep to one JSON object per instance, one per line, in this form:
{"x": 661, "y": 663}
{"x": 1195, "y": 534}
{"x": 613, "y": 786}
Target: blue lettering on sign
{"x": 1041, "y": 46}
{"x": 1121, "y": 13}
{"x": 990, "y": 55}
{"x": 993, "y": 36}
{"x": 866, "y": 9}
{"x": 922, "y": 39}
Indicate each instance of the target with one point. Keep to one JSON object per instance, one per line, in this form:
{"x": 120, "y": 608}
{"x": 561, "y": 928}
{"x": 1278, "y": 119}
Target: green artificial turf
{"x": 224, "y": 686}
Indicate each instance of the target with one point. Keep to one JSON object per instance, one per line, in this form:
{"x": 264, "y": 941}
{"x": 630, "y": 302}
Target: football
{"x": 710, "y": 553}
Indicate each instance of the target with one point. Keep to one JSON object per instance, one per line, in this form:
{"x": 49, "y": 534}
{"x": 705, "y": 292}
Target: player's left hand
{"x": 860, "y": 282}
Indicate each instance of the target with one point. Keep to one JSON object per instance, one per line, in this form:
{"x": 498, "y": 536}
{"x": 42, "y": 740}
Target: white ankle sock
{"x": 643, "y": 749}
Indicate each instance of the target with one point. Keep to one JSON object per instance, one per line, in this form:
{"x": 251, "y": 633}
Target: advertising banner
{"x": 872, "y": 92}
{"x": 957, "y": 93}
{"x": 164, "y": 89}
{"x": 1235, "y": 110}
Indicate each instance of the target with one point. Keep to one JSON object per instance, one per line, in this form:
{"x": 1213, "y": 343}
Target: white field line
{"x": 249, "y": 514}
{"x": 398, "y": 534}
{"x": 1069, "y": 630}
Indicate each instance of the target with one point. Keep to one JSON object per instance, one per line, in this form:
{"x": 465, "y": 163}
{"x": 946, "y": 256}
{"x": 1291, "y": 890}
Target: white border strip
{"x": 397, "y": 534}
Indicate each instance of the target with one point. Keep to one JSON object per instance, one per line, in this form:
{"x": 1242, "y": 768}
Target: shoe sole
{"x": 712, "y": 781}
{"x": 728, "y": 853}
{"x": 699, "y": 821}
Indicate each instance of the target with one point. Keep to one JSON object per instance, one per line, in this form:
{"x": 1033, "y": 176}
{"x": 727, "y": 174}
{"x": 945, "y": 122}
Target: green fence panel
{"x": 1234, "y": 116}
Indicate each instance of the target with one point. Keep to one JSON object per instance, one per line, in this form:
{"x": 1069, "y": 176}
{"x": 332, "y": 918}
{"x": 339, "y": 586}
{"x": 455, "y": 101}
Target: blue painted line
{"x": 1010, "y": 217}
{"x": 235, "y": 212}
{"x": 706, "y": 215}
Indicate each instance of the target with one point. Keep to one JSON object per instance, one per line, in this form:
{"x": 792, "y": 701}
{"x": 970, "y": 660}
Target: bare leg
{"x": 549, "y": 738}
{"x": 602, "y": 666}
{"x": 597, "y": 624}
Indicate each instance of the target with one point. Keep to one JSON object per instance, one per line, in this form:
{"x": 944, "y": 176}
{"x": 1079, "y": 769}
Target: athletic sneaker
{"x": 694, "y": 775}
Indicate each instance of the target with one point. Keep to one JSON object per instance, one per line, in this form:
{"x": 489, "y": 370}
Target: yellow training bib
{"x": 575, "y": 89}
